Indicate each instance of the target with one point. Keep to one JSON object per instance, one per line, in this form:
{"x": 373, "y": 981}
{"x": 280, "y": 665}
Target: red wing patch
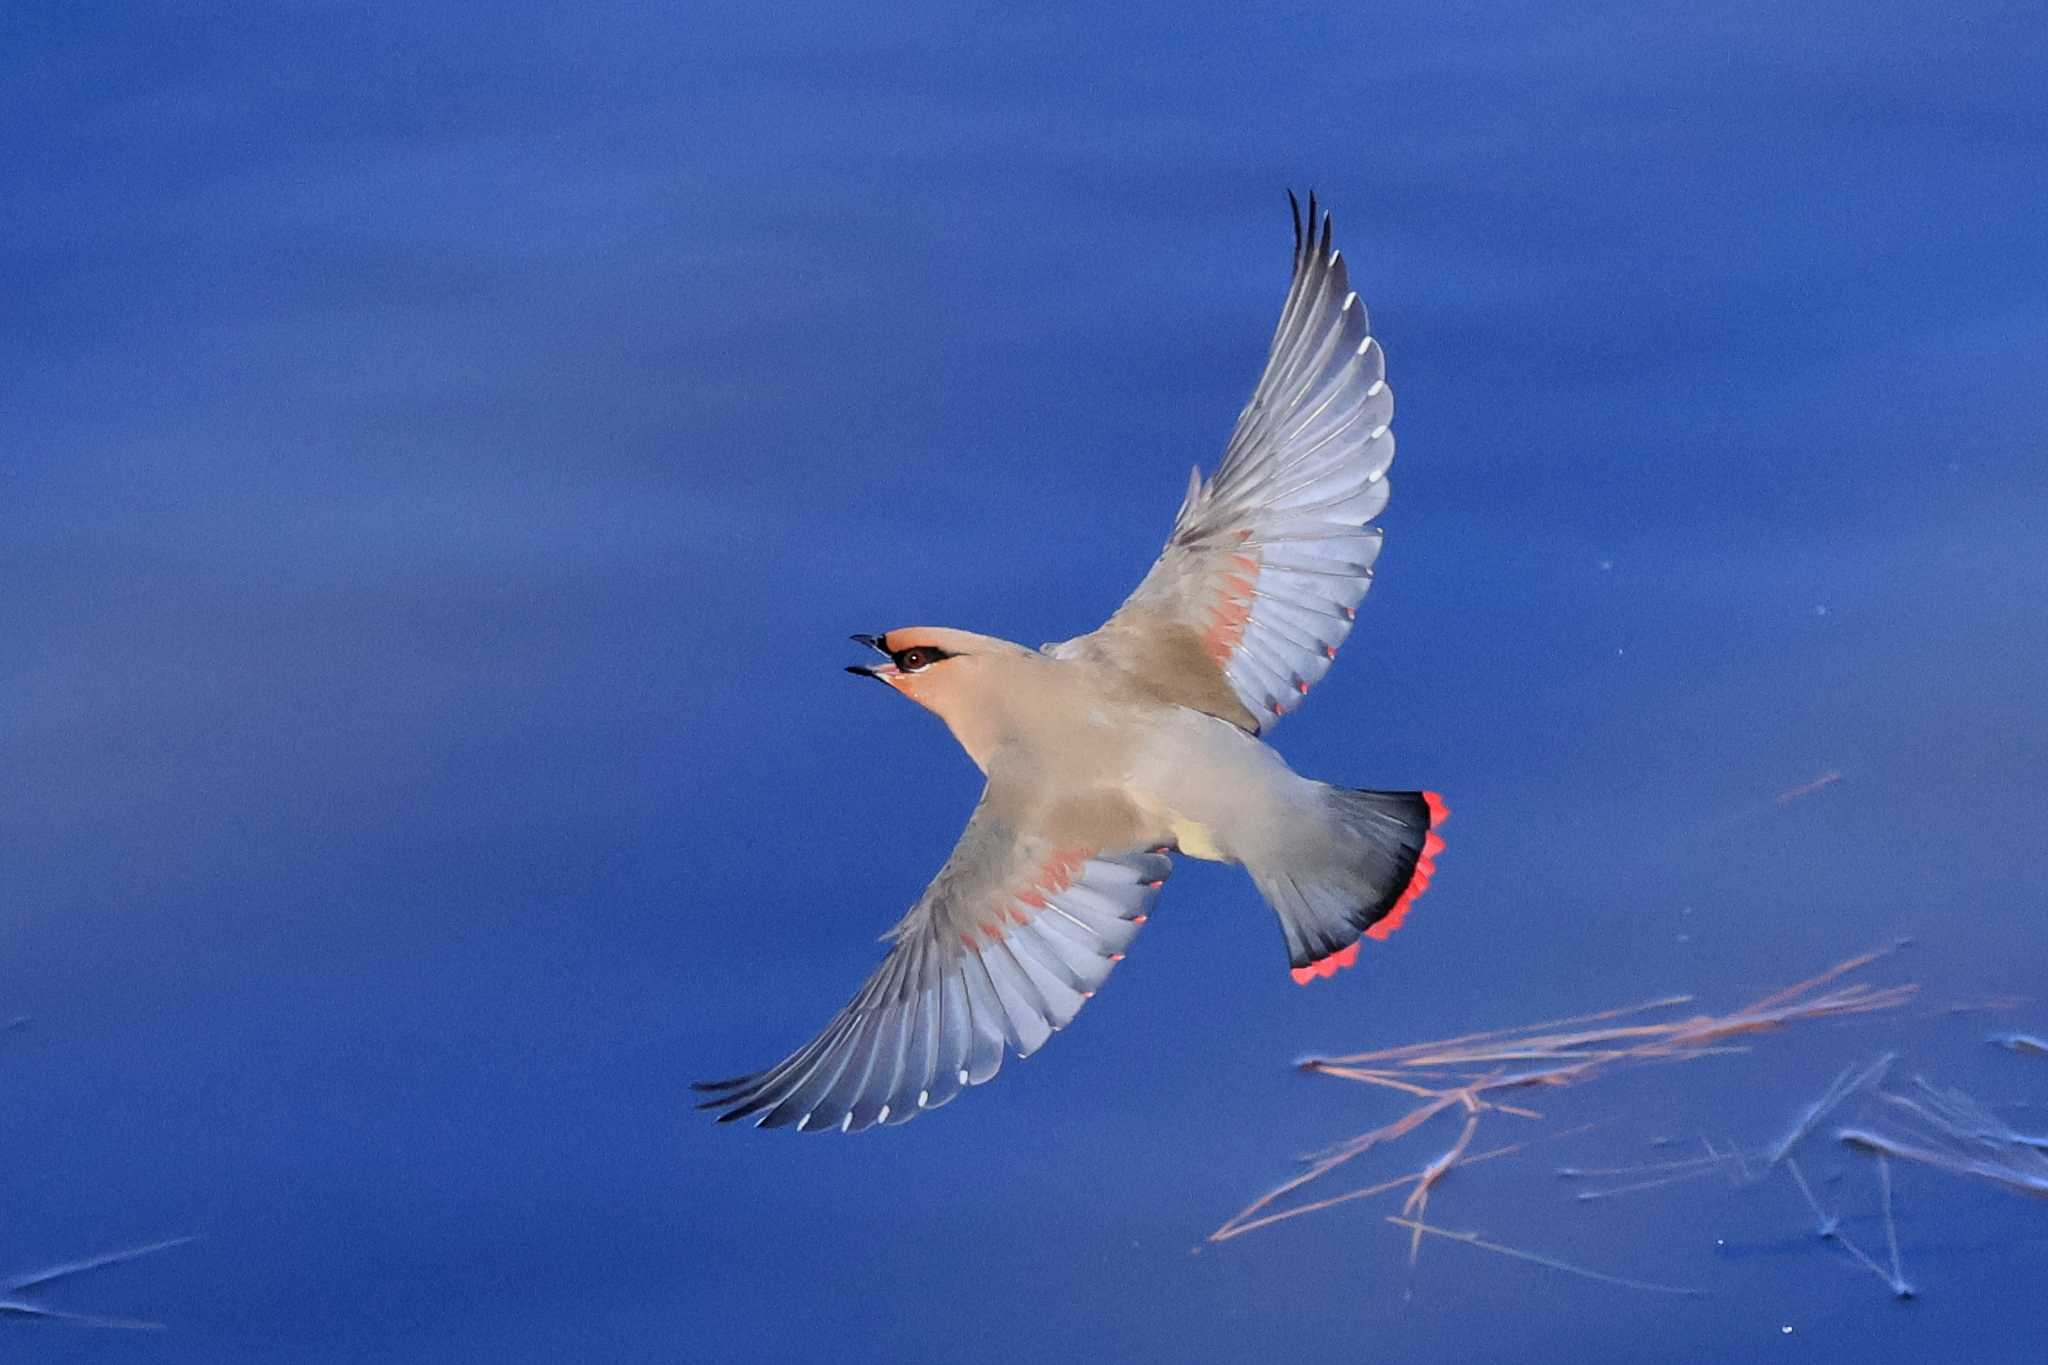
{"x": 1055, "y": 875}
{"x": 1233, "y": 610}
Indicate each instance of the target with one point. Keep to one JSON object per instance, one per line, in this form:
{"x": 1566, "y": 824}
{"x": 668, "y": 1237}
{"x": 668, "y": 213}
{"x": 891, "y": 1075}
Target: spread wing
{"x": 1004, "y": 946}
{"x": 1261, "y": 578}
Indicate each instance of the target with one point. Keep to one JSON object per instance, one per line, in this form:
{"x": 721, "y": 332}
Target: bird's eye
{"x": 910, "y": 660}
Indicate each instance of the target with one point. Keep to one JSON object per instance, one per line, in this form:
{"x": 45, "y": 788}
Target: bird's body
{"x": 1082, "y": 750}
{"x": 1106, "y": 753}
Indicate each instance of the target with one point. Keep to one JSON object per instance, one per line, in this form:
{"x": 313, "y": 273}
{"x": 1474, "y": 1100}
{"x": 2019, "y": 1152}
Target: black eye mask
{"x": 917, "y": 657}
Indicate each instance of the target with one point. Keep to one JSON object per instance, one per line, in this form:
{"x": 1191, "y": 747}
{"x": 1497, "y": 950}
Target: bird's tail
{"x": 1358, "y": 875}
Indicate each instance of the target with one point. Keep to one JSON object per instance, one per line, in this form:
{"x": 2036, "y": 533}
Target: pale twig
{"x": 1830, "y": 1230}
{"x": 1962, "y": 1138}
{"x": 1474, "y": 1239}
{"x": 1417, "y": 1202}
{"x": 1879, "y": 1144}
{"x": 1891, "y": 1228}
{"x": 1841, "y": 1240}
{"x": 11, "y": 1308}
{"x": 1391, "y": 1053}
{"x": 1825, "y": 1225}
{"x": 66, "y": 1269}
{"x": 1385, "y": 1186}
{"x": 1344, "y": 1152}
{"x": 12, "y": 1304}
{"x": 1842, "y": 968}
{"x": 1960, "y": 1116}
{"x": 1845, "y": 1085}
{"x": 1682, "y": 1164}
{"x": 1472, "y": 1072}
{"x": 1707, "y": 1168}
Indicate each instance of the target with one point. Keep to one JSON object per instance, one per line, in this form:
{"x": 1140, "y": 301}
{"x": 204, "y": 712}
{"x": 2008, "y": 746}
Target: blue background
{"x": 443, "y": 451}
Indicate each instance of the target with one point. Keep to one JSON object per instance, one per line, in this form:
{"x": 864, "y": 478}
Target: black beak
{"x": 874, "y": 642}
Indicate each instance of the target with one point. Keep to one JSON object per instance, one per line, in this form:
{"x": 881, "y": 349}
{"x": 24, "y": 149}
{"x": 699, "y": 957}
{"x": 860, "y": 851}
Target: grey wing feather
{"x": 1268, "y": 560}
{"x": 1003, "y": 948}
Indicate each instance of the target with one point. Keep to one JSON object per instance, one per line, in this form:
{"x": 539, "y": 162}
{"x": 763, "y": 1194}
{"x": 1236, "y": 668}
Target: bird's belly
{"x": 1215, "y": 790}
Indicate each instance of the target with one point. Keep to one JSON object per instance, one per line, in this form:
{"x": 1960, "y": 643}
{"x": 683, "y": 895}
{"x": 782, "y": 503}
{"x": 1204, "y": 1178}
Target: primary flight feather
{"x": 1106, "y": 753}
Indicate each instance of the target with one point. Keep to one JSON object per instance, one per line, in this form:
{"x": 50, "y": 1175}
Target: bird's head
{"x": 954, "y": 673}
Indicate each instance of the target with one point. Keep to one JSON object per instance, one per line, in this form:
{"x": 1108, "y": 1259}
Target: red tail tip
{"x": 1425, "y": 868}
{"x": 1324, "y": 966}
{"x": 1418, "y": 882}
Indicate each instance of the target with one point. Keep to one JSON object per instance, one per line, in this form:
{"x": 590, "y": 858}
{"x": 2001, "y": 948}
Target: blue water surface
{"x": 444, "y": 449}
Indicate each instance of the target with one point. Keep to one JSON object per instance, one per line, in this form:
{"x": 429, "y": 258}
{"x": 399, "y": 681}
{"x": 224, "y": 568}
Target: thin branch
{"x": 1831, "y": 1099}
{"x": 1474, "y": 1239}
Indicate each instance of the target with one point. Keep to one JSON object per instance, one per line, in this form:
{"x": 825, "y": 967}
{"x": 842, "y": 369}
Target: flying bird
{"x": 1107, "y": 753}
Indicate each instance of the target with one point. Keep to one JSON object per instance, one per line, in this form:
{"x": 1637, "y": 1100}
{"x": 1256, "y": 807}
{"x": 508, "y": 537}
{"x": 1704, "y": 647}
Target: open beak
{"x": 882, "y": 671}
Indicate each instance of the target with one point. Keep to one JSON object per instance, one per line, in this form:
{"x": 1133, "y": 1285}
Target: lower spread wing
{"x": 1261, "y": 578}
{"x": 1005, "y": 945}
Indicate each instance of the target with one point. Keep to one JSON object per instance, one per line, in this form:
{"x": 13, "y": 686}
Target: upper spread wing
{"x": 1261, "y": 578}
{"x": 1002, "y": 948}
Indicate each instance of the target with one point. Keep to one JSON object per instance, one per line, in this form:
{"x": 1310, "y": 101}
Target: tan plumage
{"x": 1105, "y": 752}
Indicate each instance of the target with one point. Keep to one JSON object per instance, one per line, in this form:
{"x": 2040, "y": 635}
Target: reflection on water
{"x": 1471, "y": 1075}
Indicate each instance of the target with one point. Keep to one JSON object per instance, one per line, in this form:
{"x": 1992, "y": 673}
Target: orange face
{"x": 921, "y": 661}
{"x": 952, "y": 673}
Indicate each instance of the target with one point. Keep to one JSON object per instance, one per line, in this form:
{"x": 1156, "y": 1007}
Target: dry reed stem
{"x": 1417, "y": 1202}
{"x": 1235, "y": 1229}
{"x": 1472, "y": 1070}
{"x": 13, "y": 1302}
{"x": 1473, "y": 1239}
{"x": 1952, "y": 1132}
